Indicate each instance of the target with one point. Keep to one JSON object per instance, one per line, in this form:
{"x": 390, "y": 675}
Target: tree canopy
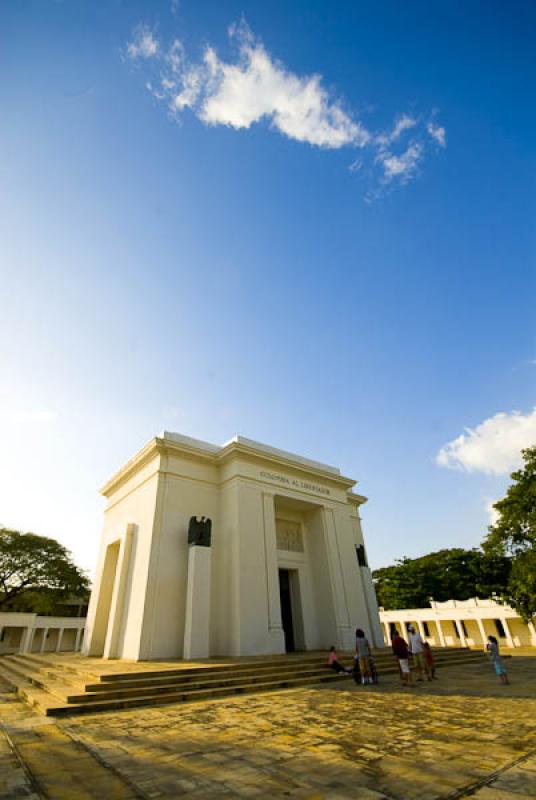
{"x": 514, "y": 535}
{"x": 444, "y": 575}
{"x": 39, "y": 567}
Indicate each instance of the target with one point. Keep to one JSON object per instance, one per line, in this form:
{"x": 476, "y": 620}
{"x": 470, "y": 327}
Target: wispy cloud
{"x": 143, "y": 45}
{"x": 256, "y": 87}
{"x": 403, "y": 166}
{"x": 438, "y": 133}
{"x": 493, "y": 447}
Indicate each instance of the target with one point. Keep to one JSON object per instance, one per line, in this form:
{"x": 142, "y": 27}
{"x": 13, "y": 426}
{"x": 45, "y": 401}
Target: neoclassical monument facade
{"x": 280, "y": 567}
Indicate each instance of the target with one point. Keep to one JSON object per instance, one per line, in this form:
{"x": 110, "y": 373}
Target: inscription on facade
{"x": 288, "y": 535}
{"x": 294, "y": 483}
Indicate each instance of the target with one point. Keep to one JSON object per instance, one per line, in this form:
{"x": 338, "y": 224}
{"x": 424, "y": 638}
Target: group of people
{"x": 416, "y": 649}
{"x": 364, "y": 670}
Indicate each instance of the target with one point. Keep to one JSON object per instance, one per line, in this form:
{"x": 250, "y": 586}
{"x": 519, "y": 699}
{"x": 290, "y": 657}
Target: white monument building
{"x": 281, "y": 565}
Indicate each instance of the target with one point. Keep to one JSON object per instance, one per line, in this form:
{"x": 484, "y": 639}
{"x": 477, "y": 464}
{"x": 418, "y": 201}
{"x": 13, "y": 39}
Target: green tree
{"x": 444, "y": 575}
{"x": 32, "y": 565}
{"x": 514, "y": 535}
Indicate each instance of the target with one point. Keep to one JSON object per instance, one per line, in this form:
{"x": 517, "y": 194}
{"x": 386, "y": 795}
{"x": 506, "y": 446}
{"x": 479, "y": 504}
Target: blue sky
{"x": 198, "y": 235}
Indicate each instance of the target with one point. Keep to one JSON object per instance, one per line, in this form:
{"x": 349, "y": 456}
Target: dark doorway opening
{"x": 286, "y": 609}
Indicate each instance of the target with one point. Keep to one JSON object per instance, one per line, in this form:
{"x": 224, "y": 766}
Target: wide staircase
{"x": 71, "y": 684}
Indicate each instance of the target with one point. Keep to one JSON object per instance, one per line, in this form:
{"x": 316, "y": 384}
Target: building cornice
{"x": 167, "y": 444}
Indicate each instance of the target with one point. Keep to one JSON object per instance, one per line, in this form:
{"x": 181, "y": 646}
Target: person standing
{"x": 416, "y": 648}
{"x": 363, "y": 654}
{"x": 429, "y": 658}
{"x": 401, "y": 651}
{"x": 493, "y": 649}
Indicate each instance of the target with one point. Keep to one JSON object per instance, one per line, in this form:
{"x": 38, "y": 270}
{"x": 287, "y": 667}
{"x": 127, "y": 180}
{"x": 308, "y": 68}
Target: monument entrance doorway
{"x": 286, "y": 610}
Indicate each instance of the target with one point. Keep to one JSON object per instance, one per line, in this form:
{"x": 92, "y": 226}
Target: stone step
{"x": 188, "y": 677}
{"x": 46, "y": 688}
{"x": 102, "y": 692}
{"x": 267, "y": 664}
{"x": 43, "y": 668}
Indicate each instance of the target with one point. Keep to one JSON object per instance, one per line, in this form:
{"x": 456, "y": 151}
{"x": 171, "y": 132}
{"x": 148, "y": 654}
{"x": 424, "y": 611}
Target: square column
{"x": 509, "y": 640}
{"x": 482, "y": 632}
{"x": 44, "y": 640}
{"x": 58, "y": 642}
{"x": 26, "y": 640}
{"x": 440, "y": 632}
{"x": 197, "y": 627}
{"x": 461, "y": 635}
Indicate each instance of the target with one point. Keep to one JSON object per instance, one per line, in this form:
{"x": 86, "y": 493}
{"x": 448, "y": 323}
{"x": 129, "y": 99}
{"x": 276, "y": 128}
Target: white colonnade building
{"x": 31, "y": 633}
{"x": 462, "y": 623}
{"x": 282, "y": 568}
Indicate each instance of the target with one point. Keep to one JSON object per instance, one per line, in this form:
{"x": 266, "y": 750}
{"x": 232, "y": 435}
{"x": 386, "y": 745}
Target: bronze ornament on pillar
{"x": 200, "y": 531}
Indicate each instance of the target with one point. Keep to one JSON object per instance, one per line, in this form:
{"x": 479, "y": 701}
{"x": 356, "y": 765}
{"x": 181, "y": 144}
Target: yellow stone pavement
{"x": 463, "y": 735}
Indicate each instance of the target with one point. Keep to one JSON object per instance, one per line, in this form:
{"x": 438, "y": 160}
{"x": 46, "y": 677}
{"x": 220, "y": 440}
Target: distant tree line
{"x": 505, "y": 565}
{"x": 38, "y": 574}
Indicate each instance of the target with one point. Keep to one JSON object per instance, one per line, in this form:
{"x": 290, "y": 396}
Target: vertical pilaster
{"x": 345, "y": 639}
{"x": 270, "y": 554}
{"x": 59, "y": 640}
{"x": 421, "y": 628}
{"x": 532, "y": 631}
{"x": 118, "y": 594}
{"x": 77, "y": 640}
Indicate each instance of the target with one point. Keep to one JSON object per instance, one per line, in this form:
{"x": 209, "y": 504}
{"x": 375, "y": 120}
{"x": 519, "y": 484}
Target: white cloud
{"x": 403, "y": 166}
{"x": 493, "y": 447}
{"x": 256, "y": 87}
{"x": 437, "y": 133}
{"x": 493, "y": 515}
{"x": 143, "y": 45}
{"x": 402, "y": 124}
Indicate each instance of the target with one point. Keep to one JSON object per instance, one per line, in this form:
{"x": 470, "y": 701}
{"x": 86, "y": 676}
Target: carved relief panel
{"x": 289, "y": 536}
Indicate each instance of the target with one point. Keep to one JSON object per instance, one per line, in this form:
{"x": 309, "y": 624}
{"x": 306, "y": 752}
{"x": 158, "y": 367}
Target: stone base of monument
{"x": 72, "y": 684}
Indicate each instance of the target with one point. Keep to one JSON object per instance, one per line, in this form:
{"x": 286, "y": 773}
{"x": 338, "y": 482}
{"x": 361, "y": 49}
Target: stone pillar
{"x": 482, "y": 632}
{"x": 387, "y": 633}
{"x": 77, "y": 640}
{"x": 532, "y": 631}
{"x": 403, "y": 631}
{"x": 421, "y": 629}
{"x": 25, "y": 640}
{"x": 345, "y": 634}
{"x": 440, "y": 633}
{"x": 275, "y": 624}
{"x": 509, "y": 640}
{"x": 461, "y": 635}
{"x": 118, "y": 594}
{"x": 58, "y": 642}
{"x": 197, "y": 623}
{"x": 44, "y": 640}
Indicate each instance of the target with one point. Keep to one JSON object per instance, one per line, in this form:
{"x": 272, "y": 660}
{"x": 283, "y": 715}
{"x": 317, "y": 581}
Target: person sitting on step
{"x": 335, "y": 664}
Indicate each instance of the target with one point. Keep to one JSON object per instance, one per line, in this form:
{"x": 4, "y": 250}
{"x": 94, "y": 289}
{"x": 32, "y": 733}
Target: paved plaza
{"x": 460, "y": 736}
